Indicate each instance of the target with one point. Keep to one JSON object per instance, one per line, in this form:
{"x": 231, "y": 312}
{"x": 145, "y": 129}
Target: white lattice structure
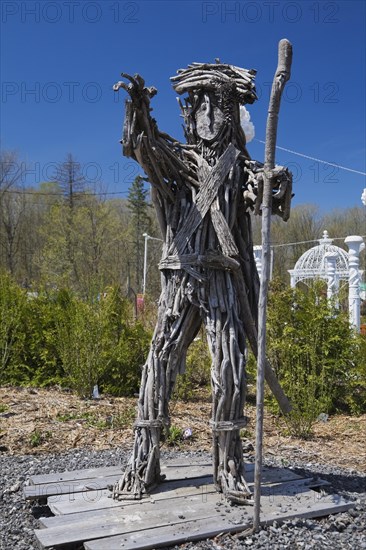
{"x": 331, "y": 263}
{"x": 355, "y": 245}
{"x": 313, "y": 264}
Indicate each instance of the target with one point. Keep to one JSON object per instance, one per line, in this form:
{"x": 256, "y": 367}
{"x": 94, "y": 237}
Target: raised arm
{"x": 158, "y": 154}
{"x": 137, "y": 117}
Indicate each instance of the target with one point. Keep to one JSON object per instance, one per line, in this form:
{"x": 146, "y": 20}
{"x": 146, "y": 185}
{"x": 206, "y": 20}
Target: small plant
{"x": 3, "y": 407}
{"x": 87, "y": 417}
{"x": 120, "y": 420}
{"x": 300, "y": 423}
{"x": 66, "y": 417}
{"x": 174, "y": 436}
{"x": 246, "y": 434}
{"x": 124, "y": 419}
{"x": 37, "y": 438}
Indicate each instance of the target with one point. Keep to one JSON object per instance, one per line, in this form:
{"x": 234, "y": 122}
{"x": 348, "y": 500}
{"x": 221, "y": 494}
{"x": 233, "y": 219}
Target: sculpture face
{"x": 209, "y": 117}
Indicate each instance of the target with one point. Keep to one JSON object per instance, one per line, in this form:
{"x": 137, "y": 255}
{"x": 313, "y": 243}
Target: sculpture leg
{"x": 226, "y": 340}
{"x": 176, "y": 327}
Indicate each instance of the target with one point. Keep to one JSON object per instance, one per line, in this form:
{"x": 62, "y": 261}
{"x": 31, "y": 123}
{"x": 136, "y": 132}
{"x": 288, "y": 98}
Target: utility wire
{"x": 80, "y": 194}
{"x": 312, "y": 241}
{"x": 317, "y": 160}
{"x": 255, "y": 139}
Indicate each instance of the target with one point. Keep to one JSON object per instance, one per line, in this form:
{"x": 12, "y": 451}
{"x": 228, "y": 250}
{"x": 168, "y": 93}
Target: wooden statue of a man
{"x": 203, "y": 192}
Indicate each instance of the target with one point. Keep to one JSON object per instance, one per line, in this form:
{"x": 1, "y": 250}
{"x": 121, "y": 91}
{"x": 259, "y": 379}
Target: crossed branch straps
{"x": 205, "y": 202}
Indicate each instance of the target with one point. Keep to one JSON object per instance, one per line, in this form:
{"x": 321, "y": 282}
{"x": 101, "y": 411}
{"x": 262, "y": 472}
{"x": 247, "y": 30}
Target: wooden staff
{"x": 282, "y": 75}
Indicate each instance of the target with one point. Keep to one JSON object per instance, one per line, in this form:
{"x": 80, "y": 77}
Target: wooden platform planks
{"x": 75, "y": 475}
{"x": 61, "y": 484}
{"x": 105, "y": 471}
{"x": 97, "y": 479}
{"x": 183, "y": 508}
{"x": 95, "y": 500}
{"x": 198, "y": 529}
{"x": 194, "y": 530}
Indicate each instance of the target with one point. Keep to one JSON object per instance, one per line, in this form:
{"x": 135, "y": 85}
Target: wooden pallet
{"x": 185, "y": 507}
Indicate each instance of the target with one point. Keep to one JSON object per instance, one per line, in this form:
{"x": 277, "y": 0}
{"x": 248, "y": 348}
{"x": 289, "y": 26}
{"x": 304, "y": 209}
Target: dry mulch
{"x": 38, "y": 421}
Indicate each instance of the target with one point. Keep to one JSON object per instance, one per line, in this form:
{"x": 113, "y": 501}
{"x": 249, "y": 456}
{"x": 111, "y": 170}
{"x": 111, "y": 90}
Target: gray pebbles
{"x": 341, "y": 531}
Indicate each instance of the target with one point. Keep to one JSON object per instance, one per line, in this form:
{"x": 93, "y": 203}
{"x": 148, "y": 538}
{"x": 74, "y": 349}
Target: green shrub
{"x": 352, "y": 391}
{"x": 100, "y": 343}
{"x": 41, "y": 352}
{"x": 80, "y": 342}
{"x": 126, "y": 345}
{"x": 314, "y": 353}
{"x": 55, "y": 337}
{"x": 198, "y": 370}
{"x": 13, "y": 305}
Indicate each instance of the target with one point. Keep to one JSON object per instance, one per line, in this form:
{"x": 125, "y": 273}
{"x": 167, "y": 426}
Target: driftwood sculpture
{"x": 203, "y": 192}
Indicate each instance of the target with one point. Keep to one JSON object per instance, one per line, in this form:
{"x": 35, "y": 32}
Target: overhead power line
{"x": 315, "y": 159}
{"x": 35, "y": 193}
{"x": 312, "y": 241}
{"x": 255, "y": 139}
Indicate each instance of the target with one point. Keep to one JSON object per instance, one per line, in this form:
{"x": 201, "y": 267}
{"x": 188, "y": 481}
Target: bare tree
{"x": 72, "y": 184}
{"x": 12, "y": 218}
{"x": 71, "y": 180}
{"x": 12, "y": 206}
{"x": 303, "y": 228}
{"x": 12, "y": 171}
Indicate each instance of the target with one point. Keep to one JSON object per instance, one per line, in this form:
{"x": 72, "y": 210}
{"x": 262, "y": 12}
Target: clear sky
{"x": 59, "y": 60}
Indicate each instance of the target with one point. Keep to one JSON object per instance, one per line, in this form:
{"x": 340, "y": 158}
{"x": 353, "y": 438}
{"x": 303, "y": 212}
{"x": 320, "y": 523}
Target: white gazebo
{"x": 314, "y": 263}
{"x": 333, "y": 264}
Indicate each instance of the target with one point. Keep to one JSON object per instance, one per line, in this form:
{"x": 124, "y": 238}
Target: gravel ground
{"x": 342, "y": 531}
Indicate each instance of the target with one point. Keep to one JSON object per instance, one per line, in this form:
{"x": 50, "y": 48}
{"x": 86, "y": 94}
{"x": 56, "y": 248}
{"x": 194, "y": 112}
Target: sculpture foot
{"x": 233, "y": 485}
{"x": 130, "y": 486}
{"x": 137, "y": 481}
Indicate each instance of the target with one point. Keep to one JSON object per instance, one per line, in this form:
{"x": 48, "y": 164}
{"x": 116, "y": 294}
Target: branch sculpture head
{"x": 215, "y": 92}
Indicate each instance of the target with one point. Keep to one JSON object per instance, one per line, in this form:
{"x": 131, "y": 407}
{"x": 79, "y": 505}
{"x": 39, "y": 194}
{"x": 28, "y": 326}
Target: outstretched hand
{"x": 281, "y": 179}
{"x": 136, "y": 87}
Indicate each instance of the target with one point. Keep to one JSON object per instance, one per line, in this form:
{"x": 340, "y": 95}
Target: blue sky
{"x": 59, "y": 60}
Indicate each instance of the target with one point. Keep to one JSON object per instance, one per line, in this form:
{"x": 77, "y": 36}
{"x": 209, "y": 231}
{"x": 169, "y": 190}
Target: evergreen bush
{"x": 13, "y": 306}
{"x": 315, "y": 354}
{"x": 56, "y": 338}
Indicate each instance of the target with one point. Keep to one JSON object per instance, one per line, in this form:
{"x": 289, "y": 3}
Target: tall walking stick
{"x": 282, "y": 75}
